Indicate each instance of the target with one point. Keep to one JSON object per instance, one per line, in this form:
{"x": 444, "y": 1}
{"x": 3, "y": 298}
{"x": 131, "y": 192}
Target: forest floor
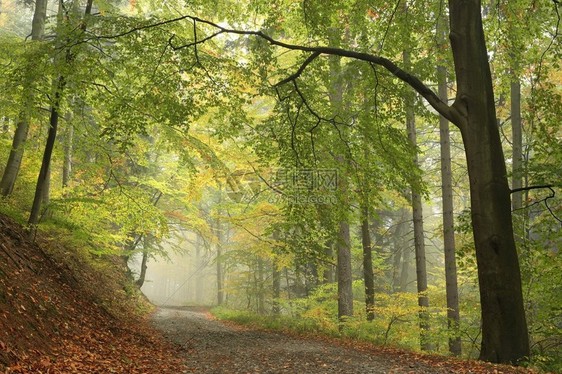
{"x": 212, "y": 346}
{"x": 64, "y": 311}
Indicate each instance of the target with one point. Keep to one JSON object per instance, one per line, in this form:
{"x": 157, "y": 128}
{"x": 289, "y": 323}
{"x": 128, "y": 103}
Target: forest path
{"x": 211, "y": 346}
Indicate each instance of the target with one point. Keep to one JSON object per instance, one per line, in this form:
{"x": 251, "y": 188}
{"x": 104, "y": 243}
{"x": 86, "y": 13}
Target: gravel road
{"x": 211, "y": 346}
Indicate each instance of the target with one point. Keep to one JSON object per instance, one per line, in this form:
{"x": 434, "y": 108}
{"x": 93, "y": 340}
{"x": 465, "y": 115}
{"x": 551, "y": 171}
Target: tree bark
{"x": 406, "y": 262}
{"x": 276, "y": 279}
{"x": 219, "y": 272}
{"x": 199, "y": 286}
{"x": 401, "y": 253}
{"x": 417, "y": 214}
{"x": 39, "y": 18}
{"x": 142, "y": 275}
{"x": 451, "y": 286}
{"x": 68, "y": 147}
{"x": 345, "y": 289}
{"x": 43, "y": 178}
{"x": 328, "y": 276}
{"x": 504, "y": 327}
{"x": 517, "y": 140}
{"x": 367, "y": 265}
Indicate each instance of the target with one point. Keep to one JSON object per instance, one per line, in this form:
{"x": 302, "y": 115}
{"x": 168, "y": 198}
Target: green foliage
{"x": 395, "y": 323}
{"x": 169, "y": 137}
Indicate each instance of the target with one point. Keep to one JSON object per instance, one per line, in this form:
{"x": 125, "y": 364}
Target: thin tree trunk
{"x": 504, "y": 327}
{"x": 142, "y": 275}
{"x": 367, "y": 265}
{"x": 517, "y": 140}
{"x": 329, "y": 269}
{"x": 288, "y": 281}
{"x": 406, "y": 264}
{"x": 276, "y": 279}
{"x": 259, "y": 287}
{"x": 22, "y": 123}
{"x": 68, "y": 148}
{"x": 345, "y": 290}
{"x": 419, "y": 242}
{"x": 451, "y": 286}
{"x": 402, "y": 253}
{"x": 199, "y": 269}
{"x": 220, "y": 290}
{"x": 344, "y": 275}
{"x": 39, "y": 18}
{"x": 396, "y": 262}
{"x": 43, "y": 178}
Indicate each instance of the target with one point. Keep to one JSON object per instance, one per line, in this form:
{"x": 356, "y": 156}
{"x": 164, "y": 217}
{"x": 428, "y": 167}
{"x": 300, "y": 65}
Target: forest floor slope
{"x": 61, "y": 312}
{"x": 212, "y": 346}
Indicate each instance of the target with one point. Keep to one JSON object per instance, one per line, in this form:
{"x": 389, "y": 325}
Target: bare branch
{"x": 551, "y": 196}
{"x": 529, "y": 188}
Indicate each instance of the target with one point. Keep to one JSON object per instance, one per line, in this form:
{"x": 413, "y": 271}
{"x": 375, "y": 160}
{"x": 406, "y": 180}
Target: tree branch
{"x": 299, "y": 72}
{"x": 449, "y": 112}
{"x": 431, "y": 97}
{"x": 551, "y": 196}
{"x": 529, "y": 188}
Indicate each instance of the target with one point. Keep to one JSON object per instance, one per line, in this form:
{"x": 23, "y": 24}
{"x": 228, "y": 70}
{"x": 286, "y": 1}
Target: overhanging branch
{"x": 431, "y": 97}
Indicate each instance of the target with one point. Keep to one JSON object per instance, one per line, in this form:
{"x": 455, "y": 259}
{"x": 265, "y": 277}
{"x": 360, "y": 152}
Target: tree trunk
{"x": 67, "y": 164}
{"x": 345, "y": 289}
{"x": 396, "y": 262}
{"x": 260, "y": 290}
{"x": 328, "y": 276}
{"x": 46, "y": 192}
{"x": 417, "y": 213}
{"x": 406, "y": 262}
{"x": 199, "y": 286}
{"x": 504, "y": 327}
{"x": 143, "y": 267}
{"x": 367, "y": 265}
{"x": 220, "y": 290}
{"x": 276, "y": 279}
{"x": 16, "y": 153}
{"x": 401, "y": 253}
{"x": 22, "y": 123}
{"x": 453, "y": 316}
{"x": 39, "y": 18}
{"x": 43, "y": 178}
{"x": 517, "y": 140}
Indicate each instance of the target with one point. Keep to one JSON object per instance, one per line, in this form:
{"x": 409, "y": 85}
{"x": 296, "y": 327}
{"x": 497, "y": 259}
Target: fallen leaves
{"x": 52, "y": 322}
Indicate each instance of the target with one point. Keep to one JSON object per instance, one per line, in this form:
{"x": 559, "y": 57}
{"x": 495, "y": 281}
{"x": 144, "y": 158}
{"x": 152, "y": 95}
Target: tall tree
{"x": 218, "y": 259}
{"x": 59, "y": 84}
{"x": 417, "y": 215}
{"x": 344, "y": 274}
{"x": 367, "y": 263}
{"x": 22, "y": 123}
{"x": 504, "y": 326}
{"x": 451, "y": 284}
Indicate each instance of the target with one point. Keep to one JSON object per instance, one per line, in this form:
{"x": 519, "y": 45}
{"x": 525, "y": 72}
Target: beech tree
{"x": 504, "y": 327}
{"x": 451, "y": 283}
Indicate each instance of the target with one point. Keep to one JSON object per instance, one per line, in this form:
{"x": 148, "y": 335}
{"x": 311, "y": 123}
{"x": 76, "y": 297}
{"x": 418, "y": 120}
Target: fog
{"x": 185, "y": 275}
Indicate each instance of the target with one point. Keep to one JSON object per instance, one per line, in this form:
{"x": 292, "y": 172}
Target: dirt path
{"x": 213, "y": 347}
